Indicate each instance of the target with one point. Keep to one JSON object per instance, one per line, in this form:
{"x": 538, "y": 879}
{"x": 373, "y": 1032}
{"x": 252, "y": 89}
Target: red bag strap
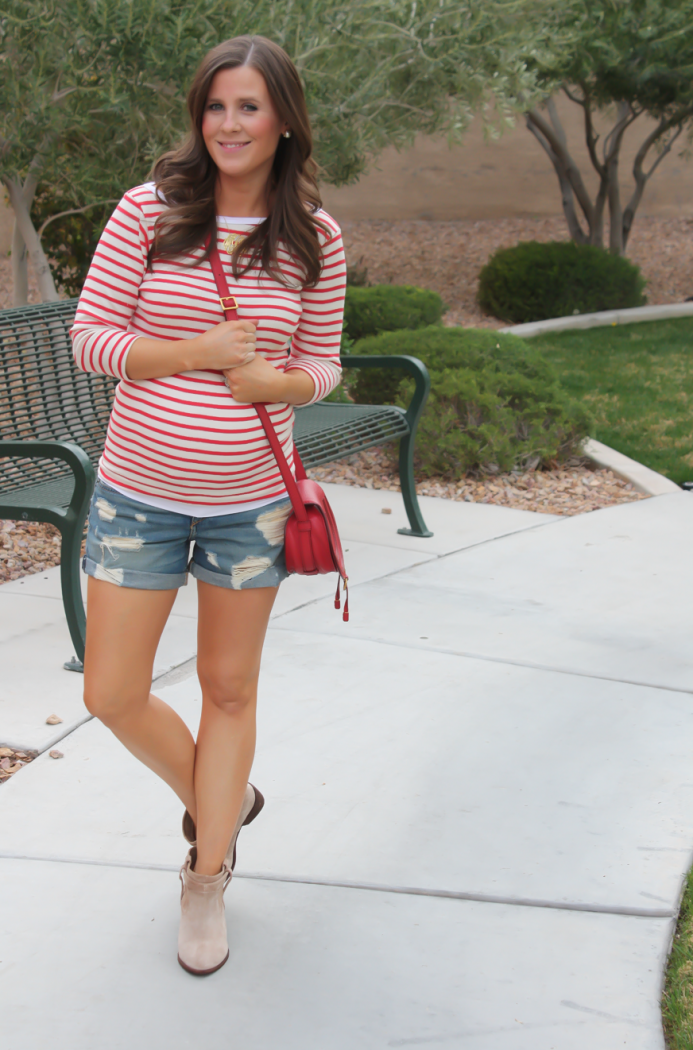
{"x": 230, "y": 307}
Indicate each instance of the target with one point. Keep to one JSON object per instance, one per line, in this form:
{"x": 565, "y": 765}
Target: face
{"x": 241, "y": 127}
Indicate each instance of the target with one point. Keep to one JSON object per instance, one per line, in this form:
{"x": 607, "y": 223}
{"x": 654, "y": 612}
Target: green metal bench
{"x": 53, "y": 421}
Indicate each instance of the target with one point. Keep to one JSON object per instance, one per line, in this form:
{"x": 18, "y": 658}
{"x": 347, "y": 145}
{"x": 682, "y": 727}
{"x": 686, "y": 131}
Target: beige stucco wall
{"x": 479, "y": 179}
{"x": 511, "y": 176}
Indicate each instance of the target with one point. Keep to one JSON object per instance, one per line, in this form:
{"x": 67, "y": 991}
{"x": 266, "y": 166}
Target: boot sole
{"x": 257, "y": 807}
{"x": 203, "y": 973}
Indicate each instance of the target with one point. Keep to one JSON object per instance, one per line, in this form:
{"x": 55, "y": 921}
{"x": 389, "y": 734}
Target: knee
{"x": 234, "y": 694}
{"x": 107, "y": 704}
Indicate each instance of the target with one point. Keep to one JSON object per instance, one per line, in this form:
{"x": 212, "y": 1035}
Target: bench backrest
{"x": 43, "y": 395}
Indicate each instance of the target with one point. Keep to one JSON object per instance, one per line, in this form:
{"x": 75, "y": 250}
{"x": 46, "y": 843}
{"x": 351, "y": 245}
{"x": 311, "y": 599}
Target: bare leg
{"x": 124, "y": 626}
{"x": 231, "y": 633}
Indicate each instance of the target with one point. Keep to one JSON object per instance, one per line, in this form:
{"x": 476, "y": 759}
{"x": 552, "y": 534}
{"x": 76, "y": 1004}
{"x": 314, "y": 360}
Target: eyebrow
{"x": 250, "y": 99}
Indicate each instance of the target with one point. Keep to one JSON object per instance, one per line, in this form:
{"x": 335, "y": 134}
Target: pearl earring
{"x": 286, "y": 134}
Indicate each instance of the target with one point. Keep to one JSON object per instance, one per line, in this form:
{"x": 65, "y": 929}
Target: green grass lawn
{"x": 637, "y": 380}
{"x": 677, "y": 1001}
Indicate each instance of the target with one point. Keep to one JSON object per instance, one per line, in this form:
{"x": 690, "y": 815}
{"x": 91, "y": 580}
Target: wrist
{"x": 190, "y": 355}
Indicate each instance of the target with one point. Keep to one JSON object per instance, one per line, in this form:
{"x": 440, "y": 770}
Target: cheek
{"x": 210, "y": 122}
{"x": 266, "y": 129}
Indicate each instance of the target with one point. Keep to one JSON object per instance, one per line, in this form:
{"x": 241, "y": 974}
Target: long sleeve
{"x": 100, "y": 339}
{"x": 316, "y": 342}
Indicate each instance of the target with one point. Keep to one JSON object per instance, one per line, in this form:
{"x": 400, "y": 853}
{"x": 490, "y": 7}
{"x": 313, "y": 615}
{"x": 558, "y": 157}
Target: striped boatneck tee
{"x": 182, "y": 442}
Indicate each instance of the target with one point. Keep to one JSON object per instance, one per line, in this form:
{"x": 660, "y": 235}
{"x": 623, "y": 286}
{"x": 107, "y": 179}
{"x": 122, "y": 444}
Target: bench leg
{"x": 70, "y": 549}
{"x": 411, "y": 502}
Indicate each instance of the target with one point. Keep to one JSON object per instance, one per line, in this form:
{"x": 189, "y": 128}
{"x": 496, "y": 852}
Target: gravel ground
{"x": 27, "y": 546}
{"x": 574, "y": 489}
{"x": 11, "y": 761}
{"x": 447, "y": 256}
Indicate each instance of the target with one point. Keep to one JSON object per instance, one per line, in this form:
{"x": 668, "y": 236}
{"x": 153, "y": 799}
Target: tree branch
{"x": 641, "y": 176}
{"x": 571, "y": 169}
{"x": 575, "y": 229}
{"x": 72, "y": 211}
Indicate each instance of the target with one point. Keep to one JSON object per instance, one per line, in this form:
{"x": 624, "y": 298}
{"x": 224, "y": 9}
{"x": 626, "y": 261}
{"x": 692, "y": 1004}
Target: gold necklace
{"x": 231, "y": 241}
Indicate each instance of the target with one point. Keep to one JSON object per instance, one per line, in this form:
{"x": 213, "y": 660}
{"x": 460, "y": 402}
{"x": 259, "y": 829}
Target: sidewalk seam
{"x": 376, "y": 887}
{"x": 493, "y": 660}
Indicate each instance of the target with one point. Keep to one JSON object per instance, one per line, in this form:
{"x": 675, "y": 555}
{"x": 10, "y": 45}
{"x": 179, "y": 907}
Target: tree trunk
{"x": 27, "y": 231}
{"x": 20, "y": 270}
{"x": 552, "y": 139}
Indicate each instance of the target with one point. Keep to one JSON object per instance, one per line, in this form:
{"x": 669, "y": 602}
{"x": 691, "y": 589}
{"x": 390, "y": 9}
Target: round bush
{"x": 495, "y": 402}
{"x": 534, "y": 281}
{"x": 388, "y": 308}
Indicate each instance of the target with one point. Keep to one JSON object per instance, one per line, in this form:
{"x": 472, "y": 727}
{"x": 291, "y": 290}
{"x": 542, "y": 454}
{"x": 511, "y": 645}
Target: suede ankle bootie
{"x": 253, "y": 802}
{"x": 203, "y": 946}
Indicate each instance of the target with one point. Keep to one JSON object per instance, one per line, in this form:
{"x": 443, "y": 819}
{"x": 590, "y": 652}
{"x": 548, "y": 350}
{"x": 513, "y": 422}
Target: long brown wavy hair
{"x": 186, "y": 176}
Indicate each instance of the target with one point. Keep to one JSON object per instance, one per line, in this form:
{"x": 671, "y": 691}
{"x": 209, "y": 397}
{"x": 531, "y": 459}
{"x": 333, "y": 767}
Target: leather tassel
{"x": 337, "y": 602}
{"x": 345, "y": 614}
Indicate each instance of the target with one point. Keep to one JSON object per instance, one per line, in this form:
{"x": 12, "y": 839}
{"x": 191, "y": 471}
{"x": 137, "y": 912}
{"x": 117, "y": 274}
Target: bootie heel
{"x": 253, "y": 801}
{"x": 202, "y": 941}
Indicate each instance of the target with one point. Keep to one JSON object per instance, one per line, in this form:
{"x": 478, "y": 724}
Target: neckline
{"x": 242, "y": 219}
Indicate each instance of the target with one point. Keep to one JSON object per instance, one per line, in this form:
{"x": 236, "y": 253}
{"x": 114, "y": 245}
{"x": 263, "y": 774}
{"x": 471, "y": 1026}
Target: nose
{"x": 231, "y": 121}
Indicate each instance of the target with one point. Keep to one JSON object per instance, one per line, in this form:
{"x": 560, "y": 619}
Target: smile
{"x": 232, "y": 145}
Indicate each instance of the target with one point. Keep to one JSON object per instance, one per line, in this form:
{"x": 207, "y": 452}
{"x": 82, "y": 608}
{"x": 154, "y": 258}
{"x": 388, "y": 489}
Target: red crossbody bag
{"x": 311, "y": 539}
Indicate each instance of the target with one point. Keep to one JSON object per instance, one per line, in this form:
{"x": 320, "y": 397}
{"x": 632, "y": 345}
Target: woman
{"x": 186, "y": 459}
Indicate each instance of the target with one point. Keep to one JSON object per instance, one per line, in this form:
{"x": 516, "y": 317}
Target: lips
{"x": 232, "y": 145}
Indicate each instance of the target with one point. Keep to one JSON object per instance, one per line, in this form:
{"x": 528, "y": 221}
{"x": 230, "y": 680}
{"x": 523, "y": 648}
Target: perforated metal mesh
{"x": 326, "y": 432}
{"x": 45, "y": 397}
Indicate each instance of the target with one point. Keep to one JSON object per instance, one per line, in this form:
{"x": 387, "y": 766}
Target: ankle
{"x": 202, "y": 867}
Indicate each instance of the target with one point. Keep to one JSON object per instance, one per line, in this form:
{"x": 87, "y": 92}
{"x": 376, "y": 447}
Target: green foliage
{"x": 637, "y": 382}
{"x": 677, "y": 1001}
{"x": 389, "y": 307}
{"x": 534, "y": 281}
{"x": 628, "y": 60}
{"x": 386, "y": 308}
{"x": 636, "y": 51}
{"x": 70, "y": 240}
{"x": 495, "y": 401}
{"x": 93, "y": 90}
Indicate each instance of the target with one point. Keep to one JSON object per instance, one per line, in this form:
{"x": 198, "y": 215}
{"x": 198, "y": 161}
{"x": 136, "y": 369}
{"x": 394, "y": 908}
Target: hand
{"x": 256, "y": 381}
{"x": 230, "y": 344}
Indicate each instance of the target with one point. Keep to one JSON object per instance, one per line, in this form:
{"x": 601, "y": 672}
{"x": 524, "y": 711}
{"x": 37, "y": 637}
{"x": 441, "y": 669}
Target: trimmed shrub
{"x": 534, "y": 281}
{"x": 388, "y": 308}
{"x": 495, "y": 402}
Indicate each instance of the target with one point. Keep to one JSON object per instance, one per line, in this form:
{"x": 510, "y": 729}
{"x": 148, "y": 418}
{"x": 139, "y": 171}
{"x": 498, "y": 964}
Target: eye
{"x": 215, "y": 105}
{"x": 250, "y": 106}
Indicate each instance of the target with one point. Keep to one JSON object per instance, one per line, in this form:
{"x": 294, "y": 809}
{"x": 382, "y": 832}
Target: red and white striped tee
{"x": 183, "y": 438}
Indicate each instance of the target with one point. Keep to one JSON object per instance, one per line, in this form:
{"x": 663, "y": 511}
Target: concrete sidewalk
{"x": 478, "y": 802}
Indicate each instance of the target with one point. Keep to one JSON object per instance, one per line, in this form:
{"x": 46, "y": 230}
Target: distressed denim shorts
{"x": 134, "y": 545}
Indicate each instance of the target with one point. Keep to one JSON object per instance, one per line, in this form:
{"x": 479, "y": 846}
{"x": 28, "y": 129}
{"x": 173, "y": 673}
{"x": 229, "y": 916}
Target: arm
{"x": 101, "y": 341}
{"x": 313, "y": 368}
{"x": 316, "y": 342}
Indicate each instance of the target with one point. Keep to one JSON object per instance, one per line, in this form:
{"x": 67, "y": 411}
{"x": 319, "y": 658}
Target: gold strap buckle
{"x": 234, "y": 304}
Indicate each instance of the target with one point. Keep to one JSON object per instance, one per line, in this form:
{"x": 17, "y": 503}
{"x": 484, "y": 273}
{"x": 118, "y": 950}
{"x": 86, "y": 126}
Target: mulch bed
{"x": 574, "y": 488}
{"x": 447, "y": 256}
{"x": 11, "y": 761}
{"x": 27, "y": 546}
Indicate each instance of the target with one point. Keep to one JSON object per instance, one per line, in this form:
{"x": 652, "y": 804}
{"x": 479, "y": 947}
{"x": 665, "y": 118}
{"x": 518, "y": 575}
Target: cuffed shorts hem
{"x": 142, "y": 581}
{"x": 132, "y": 544}
{"x": 271, "y": 577}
